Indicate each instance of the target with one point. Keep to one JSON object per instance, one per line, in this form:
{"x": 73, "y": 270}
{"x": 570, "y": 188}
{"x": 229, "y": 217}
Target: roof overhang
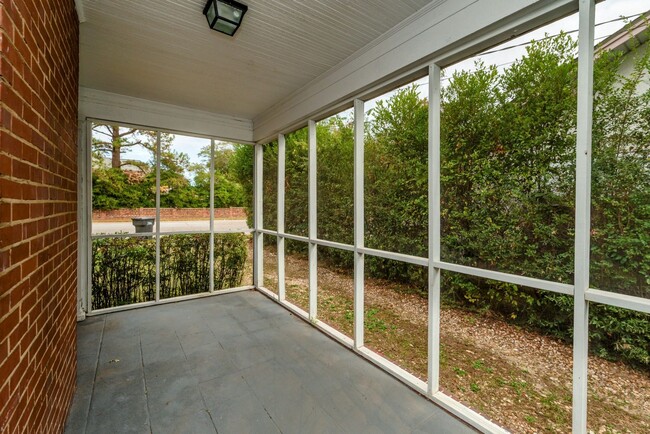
{"x": 165, "y": 60}
{"x": 627, "y": 38}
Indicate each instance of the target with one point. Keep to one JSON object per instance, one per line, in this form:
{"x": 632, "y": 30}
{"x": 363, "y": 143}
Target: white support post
{"x": 88, "y": 194}
{"x": 313, "y": 233}
{"x": 258, "y": 250}
{"x": 583, "y": 214}
{"x": 211, "y": 286}
{"x": 82, "y": 222}
{"x": 157, "y": 216}
{"x": 434, "y": 230}
{"x": 281, "y": 174}
{"x": 359, "y": 274}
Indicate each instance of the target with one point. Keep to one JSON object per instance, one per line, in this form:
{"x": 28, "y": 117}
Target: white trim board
{"x": 445, "y": 33}
{"x": 97, "y": 104}
{"x": 81, "y": 15}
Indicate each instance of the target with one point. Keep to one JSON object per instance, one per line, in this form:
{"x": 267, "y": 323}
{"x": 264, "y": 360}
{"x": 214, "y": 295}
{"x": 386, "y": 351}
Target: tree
{"x": 227, "y": 190}
{"x": 121, "y": 186}
{"x": 116, "y": 142}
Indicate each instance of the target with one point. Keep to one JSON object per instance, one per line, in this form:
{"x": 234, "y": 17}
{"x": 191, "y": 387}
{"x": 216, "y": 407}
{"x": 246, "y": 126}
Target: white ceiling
{"x": 163, "y": 50}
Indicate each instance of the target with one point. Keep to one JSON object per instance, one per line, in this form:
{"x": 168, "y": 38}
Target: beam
{"x": 158, "y": 158}
{"x": 258, "y": 237}
{"x": 280, "y": 226}
{"x": 433, "y": 34}
{"x": 359, "y": 274}
{"x": 211, "y": 215}
{"x": 433, "y": 383}
{"x": 582, "y": 213}
{"x": 313, "y": 231}
{"x": 81, "y": 14}
{"x": 126, "y": 110}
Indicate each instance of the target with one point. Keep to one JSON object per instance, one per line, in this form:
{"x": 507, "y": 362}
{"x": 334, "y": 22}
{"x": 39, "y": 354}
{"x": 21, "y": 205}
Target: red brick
{"x": 12, "y": 146}
{"x": 18, "y": 292}
{"x": 28, "y": 192}
{"x": 19, "y": 253}
{"x": 11, "y": 100}
{"x": 4, "y": 395}
{"x": 10, "y": 235}
{"x": 10, "y": 189}
{"x": 17, "y": 334}
{"x": 20, "y": 128}
{"x": 6, "y": 24}
{"x": 35, "y": 174}
{"x": 20, "y": 170}
{"x": 30, "y": 154}
{"x": 29, "y": 266}
{"x": 30, "y": 229}
{"x": 38, "y": 105}
{"x": 9, "y": 323}
{"x": 20, "y": 211}
{"x": 36, "y": 245}
{"x": 13, "y": 58}
{"x": 5, "y": 212}
{"x": 36, "y": 210}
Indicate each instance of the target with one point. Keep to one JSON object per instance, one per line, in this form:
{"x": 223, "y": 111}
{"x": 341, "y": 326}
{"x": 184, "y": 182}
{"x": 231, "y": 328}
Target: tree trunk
{"x": 116, "y": 161}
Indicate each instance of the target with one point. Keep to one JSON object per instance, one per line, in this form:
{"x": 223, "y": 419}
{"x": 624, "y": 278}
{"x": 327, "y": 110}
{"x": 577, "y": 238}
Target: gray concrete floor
{"x": 234, "y": 363}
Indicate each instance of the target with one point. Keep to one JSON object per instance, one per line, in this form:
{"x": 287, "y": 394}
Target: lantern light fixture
{"x": 224, "y": 16}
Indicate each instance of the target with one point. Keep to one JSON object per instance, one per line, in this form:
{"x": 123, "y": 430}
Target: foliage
{"x": 508, "y": 188}
{"x": 112, "y": 189}
{"x": 131, "y": 183}
{"x": 227, "y": 190}
{"x": 185, "y": 263}
{"x": 270, "y": 186}
{"x": 621, "y": 180}
{"x": 241, "y": 170}
{"x": 335, "y": 182}
{"x": 508, "y": 191}
{"x": 296, "y": 184}
{"x": 396, "y": 184}
{"x": 124, "y": 269}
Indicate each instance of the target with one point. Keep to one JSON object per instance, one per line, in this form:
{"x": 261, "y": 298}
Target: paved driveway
{"x": 171, "y": 226}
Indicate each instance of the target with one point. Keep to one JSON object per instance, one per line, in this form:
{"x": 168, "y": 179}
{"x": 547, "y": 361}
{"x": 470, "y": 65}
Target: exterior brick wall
{"x": 38, "y": 204}
{"x": 170, "y": 214}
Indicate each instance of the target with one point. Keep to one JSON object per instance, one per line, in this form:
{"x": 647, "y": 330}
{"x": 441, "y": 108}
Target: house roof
{"x": 627, "y": 37}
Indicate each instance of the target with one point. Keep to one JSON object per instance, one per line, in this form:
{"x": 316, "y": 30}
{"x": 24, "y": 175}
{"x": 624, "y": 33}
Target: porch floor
{"x": 234, "y": 363}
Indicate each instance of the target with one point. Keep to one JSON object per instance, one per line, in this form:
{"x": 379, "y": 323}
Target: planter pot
{"x": 143, "y": 224}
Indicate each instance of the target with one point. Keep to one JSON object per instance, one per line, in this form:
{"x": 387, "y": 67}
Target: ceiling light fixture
{"x": 224, "y": 16}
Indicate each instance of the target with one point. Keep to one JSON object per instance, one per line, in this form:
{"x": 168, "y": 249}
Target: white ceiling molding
{"x": 80, "y": 10}
{"x": 100, "y": 105}
{"x": 444, "y": 33}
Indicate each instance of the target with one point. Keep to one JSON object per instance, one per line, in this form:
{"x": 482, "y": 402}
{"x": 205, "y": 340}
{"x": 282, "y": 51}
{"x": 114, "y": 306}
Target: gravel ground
{"x": 518, "y": 378}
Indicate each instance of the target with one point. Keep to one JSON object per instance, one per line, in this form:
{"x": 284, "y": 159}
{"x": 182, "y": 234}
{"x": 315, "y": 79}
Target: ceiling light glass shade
{"x": 229, "y": 12}
{"x": 226, "y": 27}
{"x": 224, "y": 16}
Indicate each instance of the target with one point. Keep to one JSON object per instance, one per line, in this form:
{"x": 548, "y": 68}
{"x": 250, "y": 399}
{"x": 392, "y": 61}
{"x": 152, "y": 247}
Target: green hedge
{"x": 508, "y": 189}
{"x": 124, "y": 269}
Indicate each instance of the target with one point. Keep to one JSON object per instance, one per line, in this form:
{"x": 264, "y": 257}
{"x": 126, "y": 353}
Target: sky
{"x": 605, "y": 11}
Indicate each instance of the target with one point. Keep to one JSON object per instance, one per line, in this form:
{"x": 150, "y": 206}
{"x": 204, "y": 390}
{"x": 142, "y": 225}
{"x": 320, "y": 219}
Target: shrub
{"x": 124, "y": 269}
{"x": 508, "y": 186}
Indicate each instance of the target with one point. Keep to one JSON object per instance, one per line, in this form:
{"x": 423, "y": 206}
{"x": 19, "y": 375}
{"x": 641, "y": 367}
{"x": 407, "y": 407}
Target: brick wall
{"x": 170, "y": 214}
{"x": 38, "y": 232}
